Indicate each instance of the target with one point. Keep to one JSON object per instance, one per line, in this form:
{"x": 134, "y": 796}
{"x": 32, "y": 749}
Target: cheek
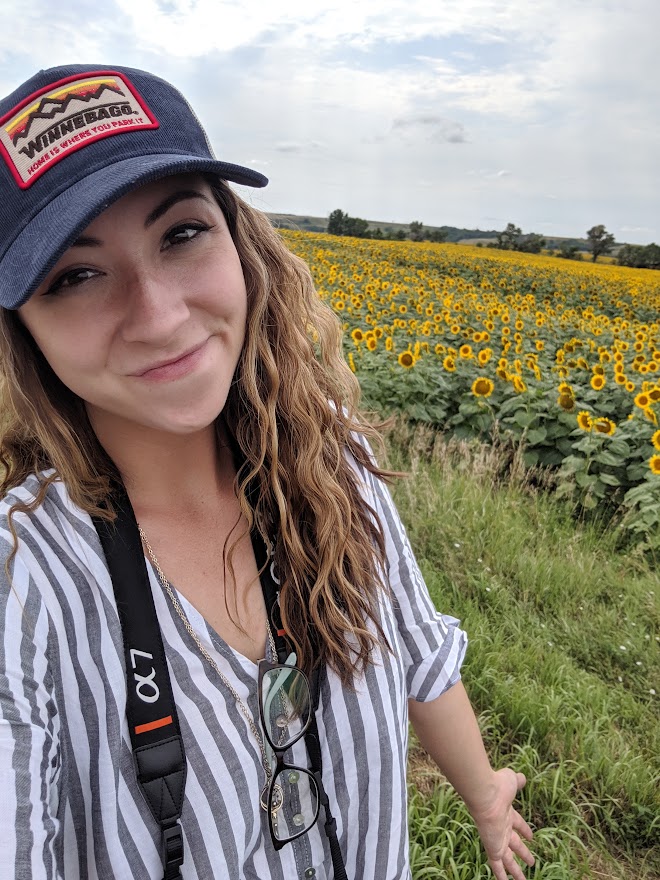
{"x": 73, "y": 355}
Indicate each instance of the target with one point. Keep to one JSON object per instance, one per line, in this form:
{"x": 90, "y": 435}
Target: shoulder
{"x": 44, "y": 534}
{"x": 34, "y": 511}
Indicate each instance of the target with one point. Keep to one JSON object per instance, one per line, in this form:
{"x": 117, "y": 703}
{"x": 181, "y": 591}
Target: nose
{"x": 156, "y": 308}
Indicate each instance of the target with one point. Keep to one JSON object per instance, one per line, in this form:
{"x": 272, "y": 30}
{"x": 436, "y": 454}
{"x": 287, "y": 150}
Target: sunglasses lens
{"x": 300, "y": 803}
{"x": 285, "y": 704}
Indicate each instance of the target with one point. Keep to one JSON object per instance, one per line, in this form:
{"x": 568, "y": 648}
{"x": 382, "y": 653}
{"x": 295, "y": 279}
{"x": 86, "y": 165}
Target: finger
{"x": 498, "y": 869}
{"x": 521, "y": 780}
{"x": 521, "y": 826}
{"x": 513, "y": 868}
{"x": 520, "y": 849}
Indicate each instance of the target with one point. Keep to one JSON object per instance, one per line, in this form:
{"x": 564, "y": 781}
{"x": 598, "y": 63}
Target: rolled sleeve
{"x": 432, "y": 644}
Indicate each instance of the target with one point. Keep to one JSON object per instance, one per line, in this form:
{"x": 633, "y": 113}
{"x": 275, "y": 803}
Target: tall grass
{"x": 562, "y": 665}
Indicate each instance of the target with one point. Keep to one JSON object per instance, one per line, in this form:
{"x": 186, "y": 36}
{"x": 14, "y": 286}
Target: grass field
{"x": 563, "y": 666}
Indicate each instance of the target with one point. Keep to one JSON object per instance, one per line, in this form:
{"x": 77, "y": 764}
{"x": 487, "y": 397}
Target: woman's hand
{"x": 502, "y": 828}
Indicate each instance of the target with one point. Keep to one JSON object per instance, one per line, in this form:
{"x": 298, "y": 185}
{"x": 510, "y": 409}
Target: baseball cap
{"x": 73, "y": 140}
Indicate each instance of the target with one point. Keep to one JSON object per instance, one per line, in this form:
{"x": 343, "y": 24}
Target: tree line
{"x": 340, "y": 223}
{"x": 512, "y": 238}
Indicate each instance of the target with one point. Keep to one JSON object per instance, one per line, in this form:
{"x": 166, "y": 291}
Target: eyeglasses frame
{"x": 266, "y": 666}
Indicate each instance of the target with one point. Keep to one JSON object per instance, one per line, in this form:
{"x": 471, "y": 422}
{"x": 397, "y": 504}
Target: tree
{"x": 533, "y": 243}
{"x": 356, "y": 227}
{"x": 340, "y": 223}
{"x": 569, "y": 251}
{"x": 508, "y": 239}
{"x": 437, "y": 235}
{"x": 639, "y": 256}
{"x": 416, "y": 231}
{"x": 336, "y": 222}
{"x": 600, "y": 241}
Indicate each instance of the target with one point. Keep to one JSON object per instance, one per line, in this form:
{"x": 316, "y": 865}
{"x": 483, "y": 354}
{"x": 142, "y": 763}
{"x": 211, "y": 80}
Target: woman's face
{"x": 144, "y": 316}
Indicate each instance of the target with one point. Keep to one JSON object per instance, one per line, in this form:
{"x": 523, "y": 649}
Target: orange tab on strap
{"x": 154, "y": 725}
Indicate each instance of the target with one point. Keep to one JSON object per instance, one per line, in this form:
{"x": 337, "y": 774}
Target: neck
{"x": 169, "y": 474}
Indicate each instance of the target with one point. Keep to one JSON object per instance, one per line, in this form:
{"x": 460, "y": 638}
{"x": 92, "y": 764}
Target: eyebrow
{"x": 167, "y": 203}
{"x": 181, "y": 195}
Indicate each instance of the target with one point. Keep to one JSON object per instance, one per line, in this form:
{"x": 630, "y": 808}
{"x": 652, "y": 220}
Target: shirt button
{"x": 294, "y": 777}
{"x": 310, "y": 872}
{"x": 299, "y": 820}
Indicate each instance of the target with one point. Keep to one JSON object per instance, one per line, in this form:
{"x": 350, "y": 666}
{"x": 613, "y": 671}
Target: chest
{"x": 218, "y": 575}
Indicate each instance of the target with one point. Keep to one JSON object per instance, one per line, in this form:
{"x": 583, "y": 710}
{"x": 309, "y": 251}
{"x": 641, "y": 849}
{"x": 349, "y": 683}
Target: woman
{"x": 159, "y": 344}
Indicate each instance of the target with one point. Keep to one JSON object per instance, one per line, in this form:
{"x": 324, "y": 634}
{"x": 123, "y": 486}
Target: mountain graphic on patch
{"x": 50, "y": 106}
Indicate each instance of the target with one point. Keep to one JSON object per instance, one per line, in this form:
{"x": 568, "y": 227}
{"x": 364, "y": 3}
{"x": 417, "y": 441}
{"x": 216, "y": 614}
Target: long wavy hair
{"x": 292, "y": 414}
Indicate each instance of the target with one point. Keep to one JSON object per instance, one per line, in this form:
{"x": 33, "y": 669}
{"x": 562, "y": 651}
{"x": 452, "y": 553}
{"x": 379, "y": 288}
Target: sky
{"x": 469, "y": 113}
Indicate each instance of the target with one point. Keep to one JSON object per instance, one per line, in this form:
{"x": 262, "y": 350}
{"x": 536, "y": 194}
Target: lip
{"x": 173, "y": 367}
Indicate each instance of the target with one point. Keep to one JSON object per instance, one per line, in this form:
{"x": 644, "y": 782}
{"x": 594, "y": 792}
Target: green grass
{"x": 564, "y": 653}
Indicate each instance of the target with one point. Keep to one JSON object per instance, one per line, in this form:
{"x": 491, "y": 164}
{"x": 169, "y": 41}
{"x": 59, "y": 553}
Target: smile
{"x": 175, "y": 368}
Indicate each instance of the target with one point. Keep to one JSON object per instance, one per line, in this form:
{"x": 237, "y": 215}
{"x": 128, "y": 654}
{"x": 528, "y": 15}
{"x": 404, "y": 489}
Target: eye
{"x": 71, "y": 278}
{"x": 183, "y": 233}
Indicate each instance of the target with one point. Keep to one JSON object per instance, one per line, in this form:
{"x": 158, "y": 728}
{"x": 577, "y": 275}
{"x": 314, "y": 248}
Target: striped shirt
{"x": 70, "y": 804}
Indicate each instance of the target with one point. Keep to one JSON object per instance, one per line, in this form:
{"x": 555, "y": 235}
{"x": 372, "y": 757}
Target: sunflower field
{"x": 563, "y": 357}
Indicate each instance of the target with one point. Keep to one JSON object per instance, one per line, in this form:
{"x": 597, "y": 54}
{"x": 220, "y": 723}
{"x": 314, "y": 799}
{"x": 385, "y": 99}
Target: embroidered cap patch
{"x": 67, "y": 116}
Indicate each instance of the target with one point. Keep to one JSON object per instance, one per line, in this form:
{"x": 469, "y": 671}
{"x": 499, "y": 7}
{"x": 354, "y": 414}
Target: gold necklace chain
{"x": 277, "y": 795}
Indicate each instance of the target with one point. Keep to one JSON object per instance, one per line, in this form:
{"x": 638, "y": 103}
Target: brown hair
{"x": 292, "y": 413}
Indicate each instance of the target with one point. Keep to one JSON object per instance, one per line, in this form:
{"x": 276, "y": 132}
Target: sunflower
{"x": 449, "y": 364}
{"x": 584, "y": 420}
{"x": 519, "y": 385}
{"x": 483, "y": 387}
{"x": 357, "y": 335}
{"x": 597, "y": 382}
{"x": 406, "y": 359}
{"x": 351, "y": 362}
{"x": 484, "y": 355}
{"x": 630, "y": 386}
{"x": 642, "y": 400}
{"x": 389, "y": 343}
{"x": 654, "y": 464}
{"x": 372, "y": 343}
{"x": 465, "y": 351}
{"x": 565, "y": 388}
{"x": 604, "y": 426}
{"x": 620, "y": 379}
{"x": 654, "y": 394}
{"x": 650, "y": 415}
{"x": 566, "y": 402}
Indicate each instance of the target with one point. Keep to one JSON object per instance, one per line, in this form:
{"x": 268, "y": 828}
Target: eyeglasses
{"x": 294, "y": 793}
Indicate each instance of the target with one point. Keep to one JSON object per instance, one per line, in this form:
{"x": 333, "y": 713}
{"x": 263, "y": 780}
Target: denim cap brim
{"x": 40, "y": 244}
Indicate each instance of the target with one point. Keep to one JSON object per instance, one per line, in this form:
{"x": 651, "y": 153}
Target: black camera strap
{"x": 160, "y": 761}
{"x": 156, "y": 740}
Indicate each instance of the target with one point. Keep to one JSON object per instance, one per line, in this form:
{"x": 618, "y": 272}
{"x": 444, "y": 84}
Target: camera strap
{"x": 158, "y": 752}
